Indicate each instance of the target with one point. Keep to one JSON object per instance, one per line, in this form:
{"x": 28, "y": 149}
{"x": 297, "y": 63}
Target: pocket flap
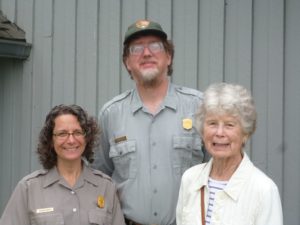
{"x": 47, "y": 218}
{"x": 187, "y": 142}
{"x": 99, "y": 217}
{"x": 122, "y": 148}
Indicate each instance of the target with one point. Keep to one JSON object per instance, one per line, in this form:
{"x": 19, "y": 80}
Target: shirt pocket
{"x": 187, "y": 152}
{"x": 124, "y": 157}
{"x": 100, "y": 217}
{"x": 47, "y": 219}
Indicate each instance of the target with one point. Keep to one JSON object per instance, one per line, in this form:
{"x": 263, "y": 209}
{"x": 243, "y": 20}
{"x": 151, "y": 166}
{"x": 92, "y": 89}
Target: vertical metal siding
{"x": 76, "y": 58}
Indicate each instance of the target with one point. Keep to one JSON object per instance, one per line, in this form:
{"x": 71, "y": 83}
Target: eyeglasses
{"x": 65, "y": 135}
{"x": 154, "y": 47}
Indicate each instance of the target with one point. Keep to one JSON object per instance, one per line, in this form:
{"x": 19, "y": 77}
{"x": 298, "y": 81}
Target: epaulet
{"x": 116, "y": 99}
{"x": 101, "y": 174}
{"x": 189, "y": 91}
{"x": 35, "y": 174}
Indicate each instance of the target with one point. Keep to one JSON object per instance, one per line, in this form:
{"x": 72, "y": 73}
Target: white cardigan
{"x": 250, "y": 197}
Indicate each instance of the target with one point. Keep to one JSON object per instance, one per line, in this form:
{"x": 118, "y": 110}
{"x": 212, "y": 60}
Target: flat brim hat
{"x": 144, "y": 27}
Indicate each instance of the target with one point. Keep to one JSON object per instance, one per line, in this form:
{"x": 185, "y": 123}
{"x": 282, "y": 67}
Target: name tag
{"x": 120, "y": 139}
{"x": 44, "y": 210}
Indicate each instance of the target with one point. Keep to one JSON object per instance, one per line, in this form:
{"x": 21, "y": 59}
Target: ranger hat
{"x": 144, "y": 27}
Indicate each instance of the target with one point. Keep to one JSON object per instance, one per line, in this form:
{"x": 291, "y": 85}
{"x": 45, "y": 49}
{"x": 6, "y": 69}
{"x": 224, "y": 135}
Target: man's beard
{"x": 149, "y": 77}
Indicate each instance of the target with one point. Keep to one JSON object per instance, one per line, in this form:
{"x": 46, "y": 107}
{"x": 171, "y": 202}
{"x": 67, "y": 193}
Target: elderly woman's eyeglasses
{"x": 64, "y": 134}
{"x": 153, "y": 47}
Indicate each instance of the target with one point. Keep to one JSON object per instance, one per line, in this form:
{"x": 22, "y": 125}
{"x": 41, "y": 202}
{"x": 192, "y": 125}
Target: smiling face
{"x": 223, "y": 136}
{"x": 149, "y": 65}
{"x": 71, "y": 147}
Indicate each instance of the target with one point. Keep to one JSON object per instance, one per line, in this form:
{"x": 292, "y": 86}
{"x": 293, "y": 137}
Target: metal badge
{"x": 142, "y": 24}
{"x": 187, "y": 123}
{"x": 100, "y": 201}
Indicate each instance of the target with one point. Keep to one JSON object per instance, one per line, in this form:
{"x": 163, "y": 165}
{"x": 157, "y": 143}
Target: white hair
{"x": 228, "y": 99}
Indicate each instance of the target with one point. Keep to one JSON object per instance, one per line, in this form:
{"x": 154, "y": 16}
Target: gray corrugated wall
{"x": 76, "y": 58}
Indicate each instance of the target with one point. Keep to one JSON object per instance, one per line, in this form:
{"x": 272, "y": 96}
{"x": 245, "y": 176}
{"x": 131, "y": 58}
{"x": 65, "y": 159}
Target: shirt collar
{"x": 169, "y": 101}
{"x": 89, "y": 176}
{"x": 53, "y": 176}
{"x": 203, "y": 175}
{"x": 239, "y": 178}
{"x": 236, "y": 183}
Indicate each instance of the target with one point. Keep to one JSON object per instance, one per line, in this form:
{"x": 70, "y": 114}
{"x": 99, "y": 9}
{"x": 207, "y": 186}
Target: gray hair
{"x": 233, "y": 99}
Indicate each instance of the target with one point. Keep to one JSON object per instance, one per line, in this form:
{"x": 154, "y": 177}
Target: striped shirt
{"x": 213, "y": 187}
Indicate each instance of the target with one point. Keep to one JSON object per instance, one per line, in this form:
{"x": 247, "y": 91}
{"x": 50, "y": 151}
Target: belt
{"x": 131, "y": 222}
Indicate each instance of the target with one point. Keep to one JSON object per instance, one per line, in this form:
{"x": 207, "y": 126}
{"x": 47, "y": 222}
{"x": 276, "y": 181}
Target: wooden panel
{"x": 8, "y": 8}
{"x": 109, "y": 51}
{"x": 11, "y": 147}
{"x": 291, "y": 197}
{"x": 41, "y": 70}
{"x": 260, "y": 82}
{"x": 64, "y": 50}
{"x": 267, "y": 88}
{"x": 238, "y": 42}
{"x": 4, "y": 179}
{"x": 24, "y": 19}
{"x": 15, "y": 98}
{"x": 86, "y": 54}
{"x": 161, "y": 12}
{"x": 6, "y": 132}
{"x": 211, "y": 42}
{"x": 185, "y": 31}
{"x": 275, "y": 93}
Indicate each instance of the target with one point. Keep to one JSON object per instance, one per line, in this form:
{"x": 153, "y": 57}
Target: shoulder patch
{"x": 189, "y": 91}
{"x": 117, "y": 99}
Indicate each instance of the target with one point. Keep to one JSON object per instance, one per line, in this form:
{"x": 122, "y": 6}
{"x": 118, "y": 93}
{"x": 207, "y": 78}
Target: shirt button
{"x": 155, "y": 213}
{"x": 154, "y": 167}
{"x": 153, "y": 143}
{"x": 72, "y": 192}
{"x": 74, "y": 209}
{"x": 155, "y": 191}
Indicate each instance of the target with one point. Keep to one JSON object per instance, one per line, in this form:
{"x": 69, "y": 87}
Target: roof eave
{"x": 14, "y": 49}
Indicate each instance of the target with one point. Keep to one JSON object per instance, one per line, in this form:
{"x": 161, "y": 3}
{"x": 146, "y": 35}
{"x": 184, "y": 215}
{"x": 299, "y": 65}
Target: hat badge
{"x": 142, "y": 24}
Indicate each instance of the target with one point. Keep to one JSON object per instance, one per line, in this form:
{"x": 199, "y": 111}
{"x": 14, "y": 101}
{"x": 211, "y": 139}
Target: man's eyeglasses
{"x": 64, "y": 134}
{"x": 153, "y": 47}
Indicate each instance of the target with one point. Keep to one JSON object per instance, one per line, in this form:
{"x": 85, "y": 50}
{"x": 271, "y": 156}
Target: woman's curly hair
{"x": 45, "y": 149}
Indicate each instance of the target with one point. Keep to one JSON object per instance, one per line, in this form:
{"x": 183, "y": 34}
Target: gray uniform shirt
{"x": 146, "y": 154}
{"x": 44, "y": 197}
